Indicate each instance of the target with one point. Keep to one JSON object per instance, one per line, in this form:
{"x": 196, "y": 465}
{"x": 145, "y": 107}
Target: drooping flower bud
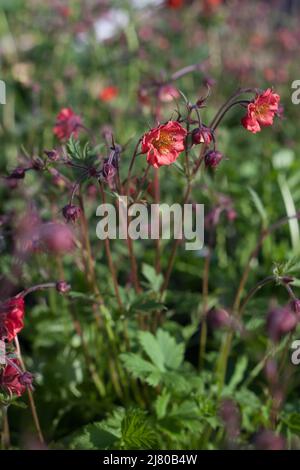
{"x": 280, "y": 321}
{"x": 26, "y": 379}
{"x": 63, "y": 287}
{"x": 218, "y": 318}
{"x": 202, "y": 135}
{"x": 71, "y": 212}
{"x": 17, "y": 174}
{"x": 213, "y": 158}
{"x": 53, "y": 155}
{"x": 108, "y": 171}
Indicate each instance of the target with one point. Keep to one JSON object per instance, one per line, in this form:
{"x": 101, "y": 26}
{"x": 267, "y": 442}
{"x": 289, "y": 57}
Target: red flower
{"x": 11, "y": 318}
{"x": 108, "y": 93}
{"x": 67, "y": 123}
{"x": 175, "y": 3}
{"x": 164, "y": 144}
{"x": 11, "y": 379}
{"x": 261, "y": 111}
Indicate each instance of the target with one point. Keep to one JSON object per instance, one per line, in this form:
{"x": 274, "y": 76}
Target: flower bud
{"x": 53, "y": 155}
{"x": 108, "y": 171}
{"x": 71, "y": 212}
{"x": 213, "y": 158}
{"x": 280, "y": 321}
{"x": 218, "y": 318}
{"x": 17, "y": 174}
{"x": 26, "y": 379}
{"x": 202, "y": 135}
{"x": 63, "y": 287}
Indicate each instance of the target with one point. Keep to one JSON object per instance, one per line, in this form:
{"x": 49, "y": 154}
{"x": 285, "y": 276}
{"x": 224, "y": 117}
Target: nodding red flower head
{"x": 67, "y": 123}
{"x": 202, "y": 135}
{"x": 108, "y": 93}
{"x": 164, "y": 143}
{"x": 174, "y": 3}
{"x": 167, "y": 93}
{"x": 261, "y": 111}
{"x": 17, "y": 174}
{"x": 63, "y": 287}
{"x": 11, "y": 318}
{"x": 71, "y": 212}
{"x": 213, "y": 158}
{"x": 13, "y": 380}
{"x": 280, "y": 321}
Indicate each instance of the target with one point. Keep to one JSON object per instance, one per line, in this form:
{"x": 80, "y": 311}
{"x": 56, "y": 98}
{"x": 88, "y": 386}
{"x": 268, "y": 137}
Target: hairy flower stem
{"x": 5, "y": 435}
{"x": 30, "y": 396}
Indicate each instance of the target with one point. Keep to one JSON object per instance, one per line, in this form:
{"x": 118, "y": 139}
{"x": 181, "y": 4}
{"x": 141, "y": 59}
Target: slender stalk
{"x": 109, "y": 257}
{"x": 30, "y": 396}
{"x": 88, "y": 359}
{"x": 174, "y": 250}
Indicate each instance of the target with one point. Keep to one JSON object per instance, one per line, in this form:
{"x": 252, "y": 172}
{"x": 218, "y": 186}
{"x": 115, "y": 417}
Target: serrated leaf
{"x": 152, "y": 348}
{"x": 155, "y": 280}
{"x": 173, "y": 352}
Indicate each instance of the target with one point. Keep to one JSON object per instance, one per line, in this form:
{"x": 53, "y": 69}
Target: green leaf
{"x": 238, "y": 374}
{"x": 259, "y": 206}
{"x": 93, "y": 437}
{"x": 172, "y": 352}
{"x": 161, "y": 404}
{"x": 155, "y": 280}
{"x": 137, "y": 366}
